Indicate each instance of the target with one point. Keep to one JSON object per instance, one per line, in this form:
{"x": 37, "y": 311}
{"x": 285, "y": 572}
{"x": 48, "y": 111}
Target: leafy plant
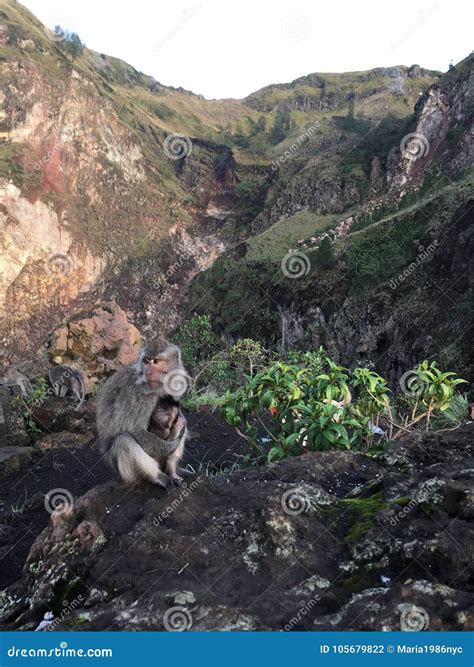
{"x": 28, "y": 405}
{"x": 310, "y": 403}
{"x": 298, "y": 408}
{"x": 428, "y": 389}
{"x": 453, "y": 415}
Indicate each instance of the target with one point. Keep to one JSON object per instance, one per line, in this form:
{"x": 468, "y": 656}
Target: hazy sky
{"x": 229, "y": 49}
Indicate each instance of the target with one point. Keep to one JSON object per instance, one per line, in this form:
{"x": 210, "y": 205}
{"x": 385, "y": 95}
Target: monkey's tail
{"x": 83, "y": 393}
{"x": 132, "y": 462}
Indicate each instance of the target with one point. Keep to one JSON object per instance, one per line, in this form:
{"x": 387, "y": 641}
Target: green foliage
{"x": 70, "y": 41}
{"x": 324, "y": 256}
{"x": 432, "y": 388}
{"x": 228, "y": 368}
{"x": 196, "y": 340}
{"x": 454, "y": 414}
{"x": 308, "y": 403}
{"x": 29, "y": 404}
{"x": 300, "y": 408}
{"x": 281, "y": 128}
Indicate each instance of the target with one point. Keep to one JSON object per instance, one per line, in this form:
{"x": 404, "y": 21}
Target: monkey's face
{"x": 155, "y": 370}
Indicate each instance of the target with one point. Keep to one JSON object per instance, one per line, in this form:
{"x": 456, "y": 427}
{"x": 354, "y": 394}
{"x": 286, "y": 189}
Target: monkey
{"x": 13, "y": 378}
{"x": 64, "y": 380}
{"x": 166, "y": 436}
{"x": 126, "y": 404}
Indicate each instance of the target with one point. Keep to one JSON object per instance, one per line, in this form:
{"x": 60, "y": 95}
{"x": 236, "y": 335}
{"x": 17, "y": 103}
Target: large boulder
{"x": 328, "y": 541}
{"x": 98, "y": 342}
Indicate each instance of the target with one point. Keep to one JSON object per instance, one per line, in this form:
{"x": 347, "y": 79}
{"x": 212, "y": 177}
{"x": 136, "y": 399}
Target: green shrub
{"x": 310, "y": 403}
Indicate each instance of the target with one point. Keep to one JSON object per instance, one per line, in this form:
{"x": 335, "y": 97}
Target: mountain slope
{"x": 112, "y": 185}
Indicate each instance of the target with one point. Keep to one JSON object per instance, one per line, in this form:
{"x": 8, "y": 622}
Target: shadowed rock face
{"x": 327, "y": 541}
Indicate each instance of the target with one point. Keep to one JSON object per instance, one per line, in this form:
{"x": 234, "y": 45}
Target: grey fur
{"x": 13, "y": 378}
{"x": 66, "y": 380}
{"x": 125, "y": 406}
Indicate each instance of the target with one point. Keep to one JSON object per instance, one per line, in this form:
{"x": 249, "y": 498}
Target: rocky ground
{"x": 327, "y": 541}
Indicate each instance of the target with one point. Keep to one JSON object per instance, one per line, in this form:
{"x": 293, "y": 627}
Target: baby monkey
{"x": 166, "y": 436}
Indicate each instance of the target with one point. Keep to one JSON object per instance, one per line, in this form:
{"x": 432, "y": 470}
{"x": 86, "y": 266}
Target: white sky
{"x": 224, "y": 48}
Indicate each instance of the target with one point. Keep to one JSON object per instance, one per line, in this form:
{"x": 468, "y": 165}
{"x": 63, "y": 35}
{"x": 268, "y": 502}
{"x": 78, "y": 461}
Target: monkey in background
{"x": 66, "y": 380}
{"x": 128, "y": 406}
{"x": 13, "y": 378}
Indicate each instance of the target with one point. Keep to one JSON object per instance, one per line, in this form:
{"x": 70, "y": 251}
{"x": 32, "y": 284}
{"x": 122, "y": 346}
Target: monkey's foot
{"x": 177, "y": 479}
{"x": 162, "y": 480}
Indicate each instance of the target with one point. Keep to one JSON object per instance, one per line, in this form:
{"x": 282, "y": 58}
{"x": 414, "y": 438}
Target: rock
{"x": 59, "y": 416}
{"x": 14, "y": 429}
{"x": 13, "y": 458}
{"x": 414, "y": 72}
{"x": 256, "y": 559}
{"x": 63, "y": 439}
{"x": 101, "y": 340}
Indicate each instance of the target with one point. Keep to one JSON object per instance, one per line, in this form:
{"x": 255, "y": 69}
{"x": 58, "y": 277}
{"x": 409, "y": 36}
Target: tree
{"x": 325, "y": 257}
{"x": 280, "y": 128}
